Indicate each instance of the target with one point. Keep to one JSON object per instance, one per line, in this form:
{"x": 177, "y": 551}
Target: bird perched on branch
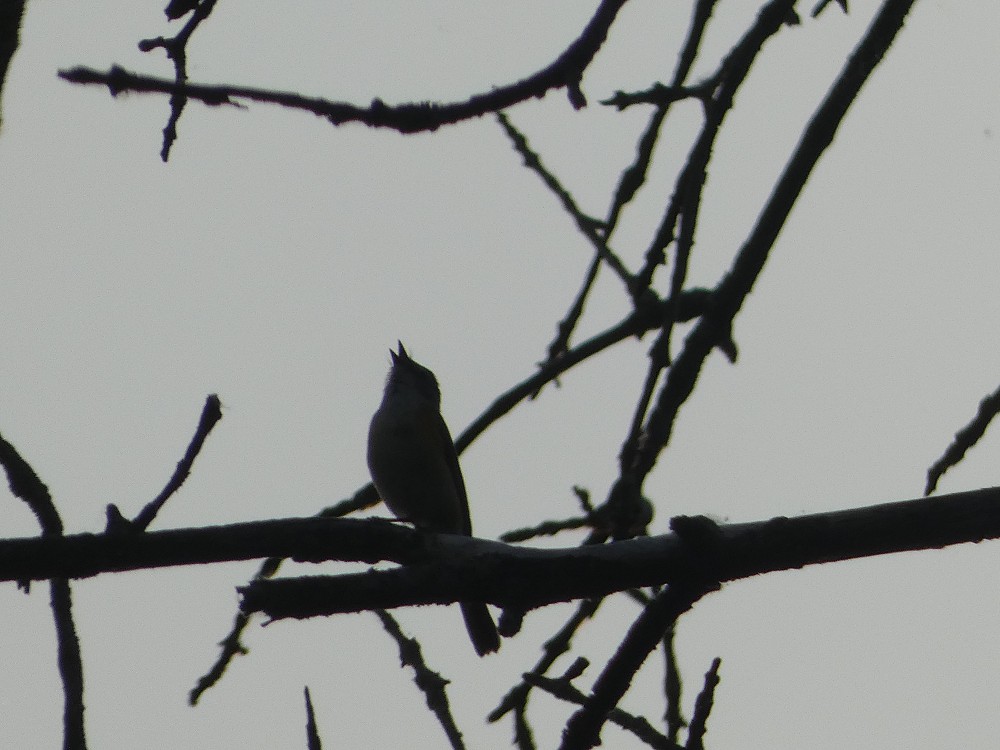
{"x": 415, "y": 469}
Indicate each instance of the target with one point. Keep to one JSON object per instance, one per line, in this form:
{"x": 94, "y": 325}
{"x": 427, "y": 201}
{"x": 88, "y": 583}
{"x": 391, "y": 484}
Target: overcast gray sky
{"x": 275, "y": 259}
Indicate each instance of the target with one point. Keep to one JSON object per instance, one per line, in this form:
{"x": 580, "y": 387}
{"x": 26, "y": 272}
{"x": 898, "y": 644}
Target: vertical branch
{"x": 70, "y": 665}
{"x": 176, "y": 49}
{"x": 685, "y": 204}
{"x": 671, "y": 687}
{"x": 26, "y": 485}
{"x": 703, "y": 707}
{"x": 313, "y": 740}
{"x": 11, "y": 14}
{"x": 634, "y": 176}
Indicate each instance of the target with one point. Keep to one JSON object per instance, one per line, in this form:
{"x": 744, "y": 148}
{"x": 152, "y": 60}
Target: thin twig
{"x": 176, "y": 50}
{"x": 634, "y": 176}
{"x": 703, "y": 707}
{"x": 430, "y": 683}
{"x": 965, "y": 438}
{"x": 313, "y": 741}
{"x": 638, "y": 322}
{"x": 545, "y": 528}
{"x": 564, "y": 689}
{"x": 588, "y": 226}
{"x": 232, "y": 646}
{"x": 211, "y": 413}
{"x": 671, "y": 687}
{"x": 517, "y": 697}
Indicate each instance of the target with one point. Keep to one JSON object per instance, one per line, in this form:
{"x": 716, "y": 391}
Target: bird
{"x": 414, "y": 467}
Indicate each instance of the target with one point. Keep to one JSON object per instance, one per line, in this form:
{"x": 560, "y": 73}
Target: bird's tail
{"x": 482, "y": 630}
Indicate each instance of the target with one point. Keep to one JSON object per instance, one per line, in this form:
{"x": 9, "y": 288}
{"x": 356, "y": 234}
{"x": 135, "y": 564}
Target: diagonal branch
{"x": 644, "y": 318}
{"x": 733, "y": 290}
{"x": 564, "y": 689}
{"x": 210, "y": 415}
{"x": 965, "y": 438}
{"x": 584, "y": 728}
{"x": 430, "y": 683}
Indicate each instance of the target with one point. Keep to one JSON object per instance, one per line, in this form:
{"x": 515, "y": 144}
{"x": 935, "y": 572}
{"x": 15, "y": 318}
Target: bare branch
{"x": 232, "y": 646}
{"x": 516, "y": 699}
{"x": 672, "y": 687}
{"x": 302, "y": 539}
{"x": 965, "y": 438}
{"x": 646, "y": 317}
{"x": 703, "y": 707}
{"x": 461, "y": 569}
{"x": 431, "y": 684}
{"x": 564, "y": 689}
{"x": 732, "y": 291}
{"x": 584, "y": 727}
{"x": 312, "y": 731}
{"x": 210, "y": 415}
{"x": 25, "y": 484}
{"x": 565, "y": 72}
{"x": 444, "y": 568}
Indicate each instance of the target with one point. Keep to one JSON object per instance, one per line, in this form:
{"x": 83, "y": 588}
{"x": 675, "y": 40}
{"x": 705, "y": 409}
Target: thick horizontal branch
{"x": 443, "y": 568}
{"x": 302, "y": 539}
{"x": 699, "y": 550}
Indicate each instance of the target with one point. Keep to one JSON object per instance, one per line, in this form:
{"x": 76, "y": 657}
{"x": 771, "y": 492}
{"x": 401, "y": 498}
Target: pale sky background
{"x": 275, "y": 260}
